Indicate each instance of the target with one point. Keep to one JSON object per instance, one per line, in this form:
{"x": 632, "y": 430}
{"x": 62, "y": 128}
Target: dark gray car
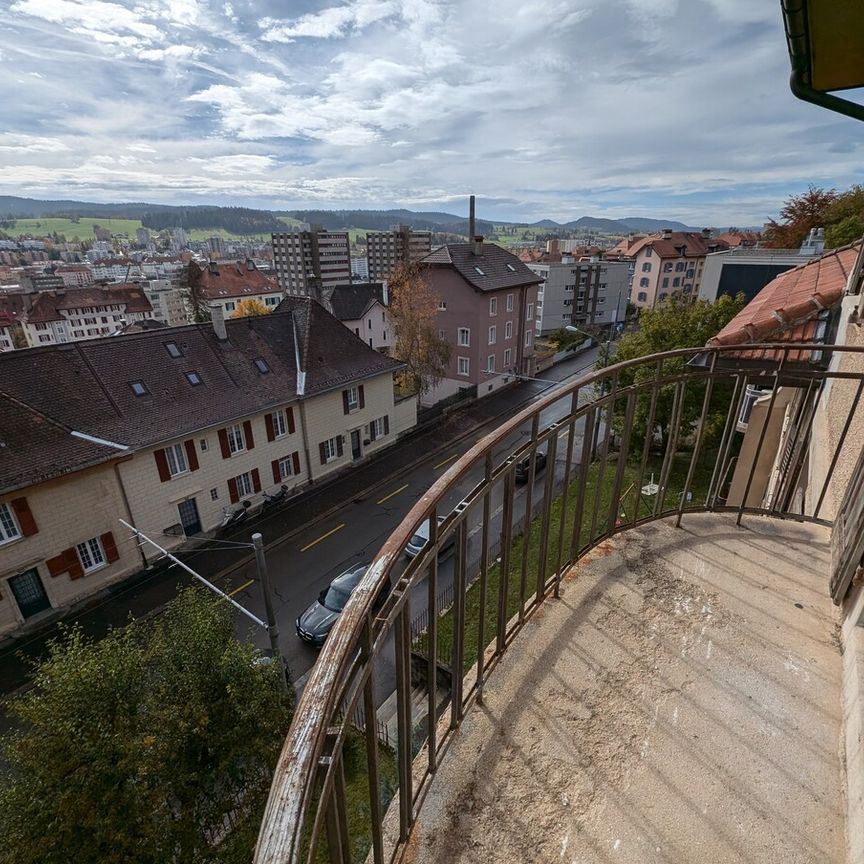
{"x": 318, "y": 620}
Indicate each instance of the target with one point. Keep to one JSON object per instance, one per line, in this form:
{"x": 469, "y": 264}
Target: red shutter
{"x": 268, "y": 425}
{"x": 223, "y": 443}
{"x": 73, "y": 564}
{"x": 247, "y": 434}
{"x": 323, "y": 453}
{"x": 26, "y": 522}
{"x": 162, "y": 465}
{"x": 295, "y": 461}
{"x": 232, "y": 491}
{"x": 256, "y": 480}
{"x": 57, "y": 564}
{"x": 345, "y": 408}
{"x": 361, "y": 396}
{"x": 291, "y": 426}
{"x": 386, "y": 424}
{"x": 191, "y": 454}
{"x": 339, "y": 445}
{"x": 110, "y": 547}
{"x": 277, "y": 474}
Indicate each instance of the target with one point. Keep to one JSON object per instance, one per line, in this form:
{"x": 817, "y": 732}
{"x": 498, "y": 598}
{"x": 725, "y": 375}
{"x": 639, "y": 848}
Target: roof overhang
{"x": 825, "y": 39}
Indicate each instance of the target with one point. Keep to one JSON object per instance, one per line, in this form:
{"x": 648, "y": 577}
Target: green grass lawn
{"x": 83, "y": 229}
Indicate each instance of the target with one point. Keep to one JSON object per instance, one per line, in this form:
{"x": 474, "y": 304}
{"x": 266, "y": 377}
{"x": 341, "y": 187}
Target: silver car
{"x": 421, "y": 538}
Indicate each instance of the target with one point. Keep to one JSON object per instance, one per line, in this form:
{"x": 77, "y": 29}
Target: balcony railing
{"x": 639, "y": 441}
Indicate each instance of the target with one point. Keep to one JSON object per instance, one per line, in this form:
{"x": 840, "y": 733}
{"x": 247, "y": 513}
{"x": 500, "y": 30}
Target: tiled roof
{"x": 350, "y": 302}
{"x": 694, "y": 244}
{"x": 494, "y": 269}
{"x": 47, "y": 304}
{"x": 86, "y": 386}
{"x": 792, "y": 307}
{"x": 12, "y": 305}
{"x": 237, "y": 279}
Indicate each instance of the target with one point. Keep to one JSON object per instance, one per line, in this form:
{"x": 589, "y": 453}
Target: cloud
{"x": 328, "y": 23}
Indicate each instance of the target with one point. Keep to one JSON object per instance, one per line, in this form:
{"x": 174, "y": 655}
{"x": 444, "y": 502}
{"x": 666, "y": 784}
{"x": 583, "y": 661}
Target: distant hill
{"x": 639, "y": 223}
{"x": 543, "y": 223}
{"x": 383, "y": 220}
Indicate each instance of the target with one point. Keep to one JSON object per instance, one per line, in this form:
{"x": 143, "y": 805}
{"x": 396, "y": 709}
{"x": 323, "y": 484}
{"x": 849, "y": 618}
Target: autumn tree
{"x": 144, "y": 745}
{"x": 799, "y": 215}
{"x": 414, "y": 315}
{"x": 248, "y": 307}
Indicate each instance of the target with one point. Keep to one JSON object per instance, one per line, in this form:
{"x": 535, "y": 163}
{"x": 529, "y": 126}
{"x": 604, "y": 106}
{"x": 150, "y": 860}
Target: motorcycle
{"x": 274, "y": 500}
{"x": 230, "y": 518}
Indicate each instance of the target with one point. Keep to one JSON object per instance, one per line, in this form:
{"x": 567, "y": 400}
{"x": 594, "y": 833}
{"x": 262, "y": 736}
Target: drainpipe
{"x": 301, "y": 408}
{"x": 129, "y": 517}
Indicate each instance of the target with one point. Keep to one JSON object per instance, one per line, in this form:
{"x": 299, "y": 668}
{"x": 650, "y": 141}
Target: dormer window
{"x": 194, "y": 378}
{"x": 173, "y": 350}
{"x": 138, "y": 388}
{"x": 261, "y": 365}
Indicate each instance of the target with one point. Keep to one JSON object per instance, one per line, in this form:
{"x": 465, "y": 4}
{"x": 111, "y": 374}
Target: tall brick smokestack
{"x": 471, "y": 229}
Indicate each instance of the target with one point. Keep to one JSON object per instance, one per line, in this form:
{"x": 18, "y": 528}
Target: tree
{"x": 800, "y": 213}
{"x": 138, "y": 747}
{"x": 414, "y": 314}
{"x": 250, "y": 306}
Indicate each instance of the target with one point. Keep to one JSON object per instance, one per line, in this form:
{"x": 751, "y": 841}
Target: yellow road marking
{"x": 244, "y": 585}
{"x": 323, "y": 537}
{"x": 442, "y": 464}
{"x": 396, "y": 492}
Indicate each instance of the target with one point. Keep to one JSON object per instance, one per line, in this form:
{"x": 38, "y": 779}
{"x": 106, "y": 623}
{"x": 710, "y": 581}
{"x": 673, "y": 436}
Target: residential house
{"x": 12, "y": 307}
{"x": 226, "y": 284}
{"x": 311, "y": 262}
{"x": 75, "y": 275}
{"x": 400, "y": 245}
{"x": 362, "y": 308}
{"x": 486, "y": 311}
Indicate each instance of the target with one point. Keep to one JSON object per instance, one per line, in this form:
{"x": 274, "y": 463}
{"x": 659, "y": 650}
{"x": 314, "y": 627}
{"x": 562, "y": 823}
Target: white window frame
{"x": 331, "y": 451}
{"x": 508, "y": 357}
{"x": 91, "y": 554}
{"x": 493, "y": 306}
{"x": 236, "y": 438}
{"x": 493, "y": 335}
{"x": 508, "y": 330}
{"x": 244, "y": 484}
{"x": 9, "y": 528}
{"x": 463, "y": 362}
{"x": 280, "y": 423}
{"x": 353, "y": 398}
{"x": 530, "y": 314}
{"x": 377, "y": 426}
{"x": 463, "y": 337}
{"x": 490, "y": 363}
{"x": 286, "y": 467}
{"x": 509, "y": 302}
{"x": 175, "y": 456}
{"x": 527, "y": 338}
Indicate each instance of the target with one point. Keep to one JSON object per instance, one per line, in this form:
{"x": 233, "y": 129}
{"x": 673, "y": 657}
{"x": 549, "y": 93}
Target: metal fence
{"x": 658, "y": 437}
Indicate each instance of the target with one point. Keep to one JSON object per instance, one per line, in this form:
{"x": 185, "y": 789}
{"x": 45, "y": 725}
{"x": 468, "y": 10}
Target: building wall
{"x": 374, "y": 328}
{"x": 7, "y": 343}
{"x": 325, "y": 254}
{"x": 169, "y": 304}
{"x": 229, "y": 304}
{"x": 686, "y": 269}
{"x": 386, "y": 249}
{"x": 67, "y": 511}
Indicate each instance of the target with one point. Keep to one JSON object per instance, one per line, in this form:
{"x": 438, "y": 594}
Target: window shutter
{"x": 295, "y": 461}
{"x": 223, "y": 444}
{"x": 345, "y": 408}
{"x": 372, "y": 435}
{"x": 361, "y": 396}
{"x": 162, "y": 465}
{"x": 277, "y": 474}
{"x": 247, "y": 434}
{"x": 191, "y": 454}
{"x": 73, "y": 564}
{"x": 26, "y": 522}
{"x": 323, "y": 453}
{"x": 256, "y": 480}
{"x": 386, "y": 424}
{"x": 232, "y": 491}
{"x": 110, "y": 547}
{"x": 57, "y": 564}
{"x": 268, "y": 424}
{"x": 339, "y": 445}
{"x": 291, "y": 426}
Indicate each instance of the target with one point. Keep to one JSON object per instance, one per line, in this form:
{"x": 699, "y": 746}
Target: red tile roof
{"x": 47, "y": 304}
{"x": 792, "y": 307}
{"x": 236, "y": 279}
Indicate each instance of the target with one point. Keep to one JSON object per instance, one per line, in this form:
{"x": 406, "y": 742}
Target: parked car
{"x": 421, "y": 538}
{"x": 524, "y": 465}
{"x": 317, "y": 621}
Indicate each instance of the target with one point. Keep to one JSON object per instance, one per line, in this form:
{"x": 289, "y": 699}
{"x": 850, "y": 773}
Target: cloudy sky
{"x": 543, "y": 108}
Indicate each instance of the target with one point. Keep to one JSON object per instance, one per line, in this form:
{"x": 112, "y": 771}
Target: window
{"x": 530, "y": 314}
{"x": 173, "y": 350}
{"x": 463, "y": 366}
{"x": 665, "y": 281}
{"x": 479, "y": 271}
{"x": 642, "y": 296}
{"x": 511, "y": 268}
{"x": 442, "y": 334}
{"x": 244, "y": 483}
{"x": 490, "y": 363}
{"x": 508, "y": 330}
{"x": 667, "y": 267}
{"x": 176, "y": 458}
{"x": 442, "y": 305}
{"x": 236, "y": 441}
{"x": 378, "y": 428}
{"x": 676, "y": 282}
{"x": 280, "y": 426}
{"x": 353, "y": 398}
{"x": 493, "y": 305}
{"x": 193, "y": 378}
{"x": 138, "y": 388}
{"x": 527, "y": 338}
{"x": 493, "y": 335}
{"x": 568, "y": 302}
{"x": 646, "y": 267}
{"x": 663, "y": 295}
{"x": 214, "y": 494}
{"x": 9, "y": 529}
{"x": 286, "y": 467}
{"x": 601, "y": 300}
{"x": 508, "y": 354}
{"x": 261, "y": 365}
{"x": 679, "y": 267}
{"x": 643, "y": 282}
{"x": 509, "y": 302}
{"x": 330, "y": 448}
{"x": 464, "y": 337}
{"x": 648, "y": 251}
{"x": 91, "y": 554}
{"x": 230, "y": 307}
{"x": 369, "y": 324}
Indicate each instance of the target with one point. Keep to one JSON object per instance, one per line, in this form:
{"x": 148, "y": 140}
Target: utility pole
{"x": 272, "y": 628}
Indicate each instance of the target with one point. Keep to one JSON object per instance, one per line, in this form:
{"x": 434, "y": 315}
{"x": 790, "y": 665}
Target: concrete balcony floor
{"x": 679, "y": 703}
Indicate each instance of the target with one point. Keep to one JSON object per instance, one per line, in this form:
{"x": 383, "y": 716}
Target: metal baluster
{"x": 726, "y": 441}
{"x": 795, "y": 473}
{"x": 526, "y": 521}
{"x": 615, "y": 501}
{"x": 504, "y": 565}
{"x": 649, "y": 439}
{"x": 575, "y": 540}
{"x": 402, "y": 647}
{"x": 432, "y": 643}
{"x": 548, "y": 492}
{"x": 456, "y": 669}
{"x": 370, "y": 721}
{"x": 671, "y": 447}
{"x": 484, "y": 573}
{"x": 601, "y": 473}
{"x": 571, "y": 435}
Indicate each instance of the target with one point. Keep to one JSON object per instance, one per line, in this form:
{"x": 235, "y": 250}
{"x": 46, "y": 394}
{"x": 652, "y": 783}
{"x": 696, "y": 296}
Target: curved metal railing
{"x": 635, "y": 442}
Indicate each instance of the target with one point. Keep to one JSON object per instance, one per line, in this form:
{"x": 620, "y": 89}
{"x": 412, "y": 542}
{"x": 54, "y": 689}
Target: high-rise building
{"x": 143, "y": 236}
{"x": 311, "y": 261}
{"x": 386, "y": 249}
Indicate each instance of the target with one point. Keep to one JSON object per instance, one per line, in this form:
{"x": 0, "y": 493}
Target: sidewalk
{"x": 149, "y": 590}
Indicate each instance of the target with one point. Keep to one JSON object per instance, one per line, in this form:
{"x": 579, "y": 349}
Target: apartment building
{"x": 75, "y": 275}
{"x": 362, "y": 308}
{"x": 666, "y": 264}
{"x": 225, "y": 284}
{"x": 166, "y": 428}
{"x": 169, "y": 303}
{"x": 582, "y": 293}
{"x": 311, "y": 262}
{"x": 487, "y": 312}
{"x": 400, "y": 245}
{"x": 53, "y": 317}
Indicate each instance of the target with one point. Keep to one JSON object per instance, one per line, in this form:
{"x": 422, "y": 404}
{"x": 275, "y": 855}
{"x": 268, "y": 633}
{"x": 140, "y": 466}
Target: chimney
{"x": 250, "y": 264}
{"x": 477, "y": 244}
{"x": 217, "y": 317}
{"x": 471, "y": 219}
{"x": 667, "y": 233}
{"x": 212, "y": 267}
{"x": 706, "y": 233}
